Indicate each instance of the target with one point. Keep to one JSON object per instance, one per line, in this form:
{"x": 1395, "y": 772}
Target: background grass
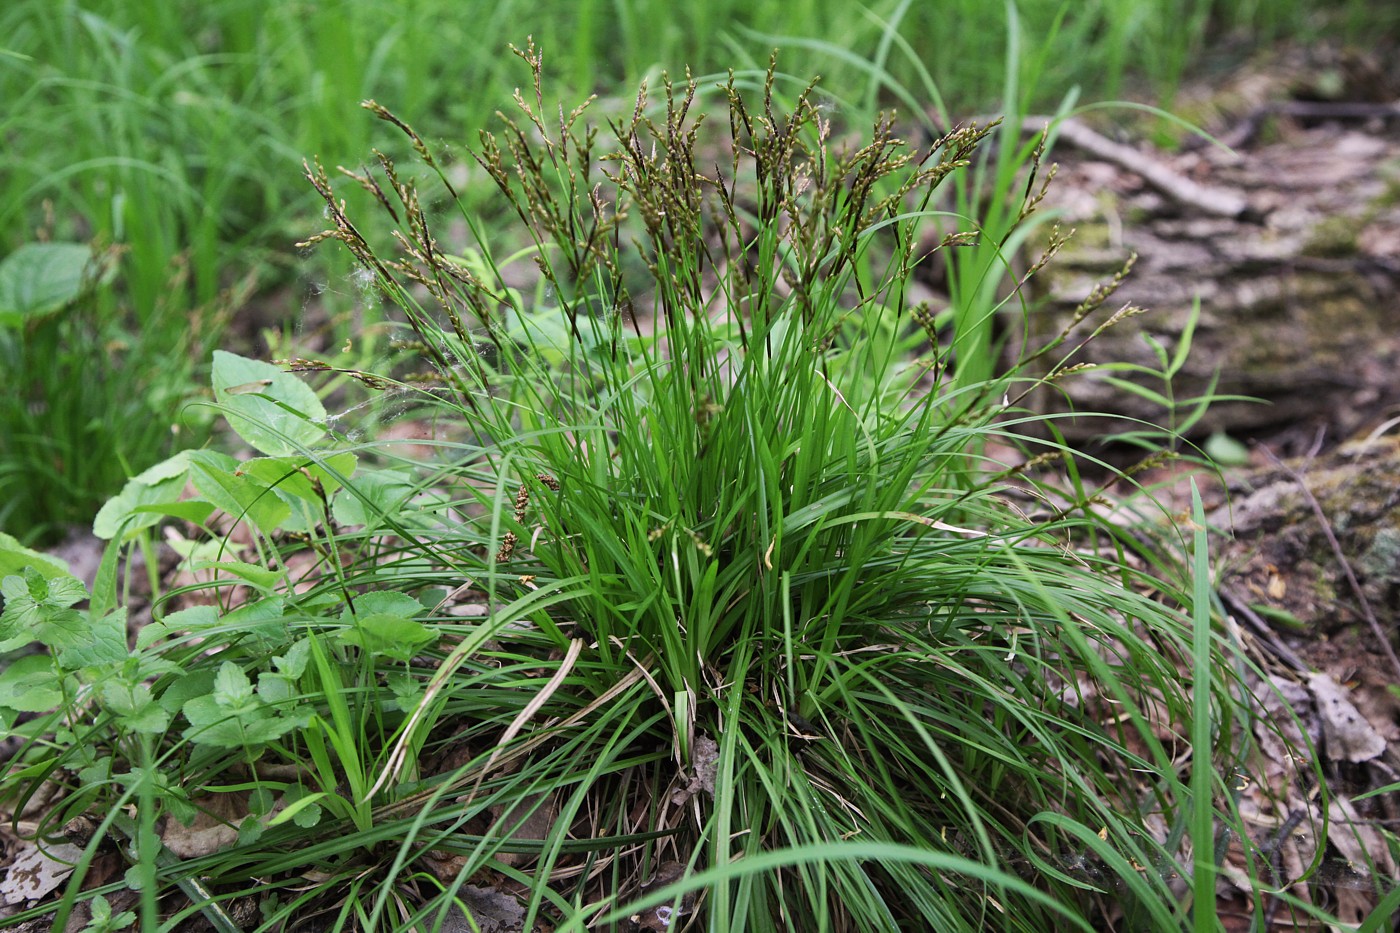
{"x": 176, "y": 131}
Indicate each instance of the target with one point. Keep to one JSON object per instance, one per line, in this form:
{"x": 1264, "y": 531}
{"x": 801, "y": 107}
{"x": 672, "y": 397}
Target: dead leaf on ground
{"x": 1347, "y": 735}
{"x": 215, "y": 827}
{"x": 35, "y": 872}
{"x": 487, "y": 911}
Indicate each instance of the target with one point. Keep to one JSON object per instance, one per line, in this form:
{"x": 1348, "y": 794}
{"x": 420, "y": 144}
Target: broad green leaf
{"x": 263, "y": 620}
{"x": 276, "y": 689}
{"x": 260, "y": 577}
{"x": 407, "y": 689}
{"x": 31, "y": 684}
{"x": 293, "y": 475}
{"x": 1225, "y": 450}
{"x": 292, "y": 809}
{"x": 193, "y": 618}
{"x": 99, "y": 771}
{"x": 162, "y": 486}
{"x": 151, "y": 720}
{"x": 250, "y": 830}
{"x": 31, "y": 585}
{"x": 200, "y": 549}
{"x": 223, "y": 482}
{"x": 292, "y": 480}
{"x": 273, "y": 411}
{"x": 197, "y": 683}
{"x": 400, "y": 604}
{"x": 39, "y": 279}
{"x": 261, "y": 800}
{"x": 194, "y": 511}
{"x": 305, "y": 815}
{"x": 14, "y": 557}
{"x": 252, "y": 723}
{"x": 378, "y": 496}
{"x": 176, "y": 623}
{"x": 373, "y": 495}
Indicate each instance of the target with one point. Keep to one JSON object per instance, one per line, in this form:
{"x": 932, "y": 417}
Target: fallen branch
{"x": 1218, "y": 201}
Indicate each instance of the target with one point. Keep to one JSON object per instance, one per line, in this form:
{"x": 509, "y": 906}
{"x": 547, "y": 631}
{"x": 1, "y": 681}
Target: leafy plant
{"x": 749, "y": 511}
{"x": 712, "y": 605}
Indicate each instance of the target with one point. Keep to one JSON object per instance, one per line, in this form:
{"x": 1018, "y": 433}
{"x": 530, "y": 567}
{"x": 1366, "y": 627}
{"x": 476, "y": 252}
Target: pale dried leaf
{"x": 487, "y": 911}
{"x": 1286, "y": 711}
{"x": 706, "y": 761}
{"x": 543, "y": 810}
{"x": 1347, "y": 734}
{"x": 214, "y": 827}
{"x": 34, "y": 873}
{"x": 1358, "y": 841}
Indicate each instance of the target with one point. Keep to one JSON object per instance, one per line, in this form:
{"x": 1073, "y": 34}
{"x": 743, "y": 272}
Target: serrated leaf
{"x": 283, "y": 417}
{"x": 175, "y": 624}
{"x": 198, "y": 683}
{"x": 135, "y": 707}
{"x": 232, "y": 688}
{"x": 37, "y": 609}
{"x": 384, "y": 624}
{"x": 305, "y": 815}
{"x": 295, "y": 807}
{"x": 389, "y": 635}
{"x": 293, "y": 663}
{"x": 98, "y": 772}
{"x": 150, "y": 721}
{"x": 275, "y": 689}
{"x": 308, "y": 817}
{"x": 397, "y": 604}
{"x": 263, "y": 620}
{"x": 39, "y": 279}
{"x": 407, "y": 689}
{"x": 30, "y": 585}
{"x": 261, "y": 800}
{"x": 96, "y": 644}
{"x": 179, "y": 806}
{"x": 212, "y": 724}
{"x": 250, "y": 830}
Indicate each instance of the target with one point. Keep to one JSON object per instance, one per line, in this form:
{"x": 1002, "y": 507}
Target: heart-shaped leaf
{"x": 39, "y": 279}
{"x": 273, "y": 411}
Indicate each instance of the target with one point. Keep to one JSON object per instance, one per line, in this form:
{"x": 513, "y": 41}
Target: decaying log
{"x": 1299, "y": 288}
